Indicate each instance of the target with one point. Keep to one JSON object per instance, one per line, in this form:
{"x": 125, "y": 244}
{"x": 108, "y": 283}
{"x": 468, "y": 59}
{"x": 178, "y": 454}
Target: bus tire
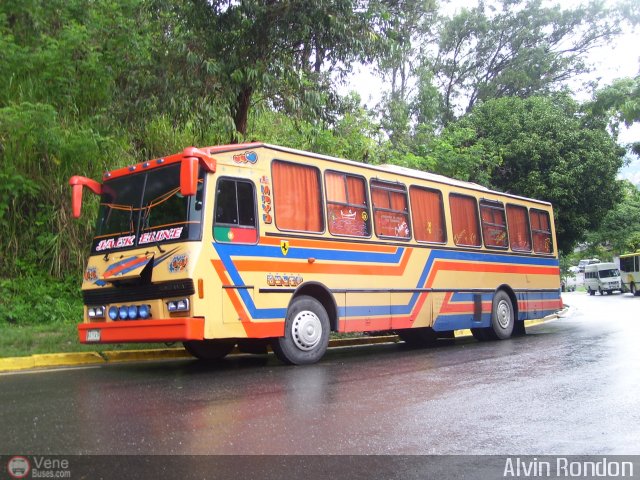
{"x": 502, "y": 316}
{"x": 419, "y": 337}
{"x": 634, "y": 291}
{"x": 306, "y": 332}
{"x": 519, "y": 329}
{"x": 591, "y": 292}
{"x": 209, "y": 349}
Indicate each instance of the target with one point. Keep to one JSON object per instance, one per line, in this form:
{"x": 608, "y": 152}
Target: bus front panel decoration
{"x": 256, "y": 245}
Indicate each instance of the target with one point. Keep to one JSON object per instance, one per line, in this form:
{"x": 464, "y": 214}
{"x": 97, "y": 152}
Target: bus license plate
{"x": 93, "y": 335}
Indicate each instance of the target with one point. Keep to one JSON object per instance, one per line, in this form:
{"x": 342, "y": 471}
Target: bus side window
{"x": 464, "y": 220}
{"x": 235, "y": 212}
{"x": 519, "y": 229}
{"x": 390, "y": 210}
{"x": 347, "y": 207}
{"x": 541, "y": 229}
{"x": 494, "y": 224}
{"x": 427, "y": 211}
{"x": 297, "y": 197}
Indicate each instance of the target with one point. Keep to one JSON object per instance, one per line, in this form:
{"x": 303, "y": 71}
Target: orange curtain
{"x": 379, "y": 197}
{"x": 519, "y": 233}
{"x": 296, "y": 197}
{"x": 540, "y": 226}
{"x": 356, "y": 189}
{"x": 494, "y": 226}
{"x": 347, "y": 210}
{"x": 428, "y": 215}
{"x": 464, "y": 220}
{"x": 390, "y": 213}
{"x": 335, "y": 187}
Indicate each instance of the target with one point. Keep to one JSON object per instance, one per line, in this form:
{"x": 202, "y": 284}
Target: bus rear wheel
{"x": 306, "y": 332}
{"x": 634, "y": 290}
{"x": 502, "y": 316}
{"x": 209, "y": 349}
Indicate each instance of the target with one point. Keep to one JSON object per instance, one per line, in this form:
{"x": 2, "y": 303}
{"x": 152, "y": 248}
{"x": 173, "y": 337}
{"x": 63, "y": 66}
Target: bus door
{"x": 235, "y": 226}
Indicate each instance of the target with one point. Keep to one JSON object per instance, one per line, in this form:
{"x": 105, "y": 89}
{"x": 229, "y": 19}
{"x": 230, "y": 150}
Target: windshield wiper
{"x": 145, "y": 225}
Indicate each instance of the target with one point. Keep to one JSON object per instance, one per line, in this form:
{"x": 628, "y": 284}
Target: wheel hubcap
{"x": 306, "y": 330}
{"x": 503, "y": 314}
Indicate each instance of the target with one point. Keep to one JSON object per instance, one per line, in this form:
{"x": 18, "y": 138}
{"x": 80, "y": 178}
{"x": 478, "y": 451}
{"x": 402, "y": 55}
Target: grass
{"x": 24, "y": 340}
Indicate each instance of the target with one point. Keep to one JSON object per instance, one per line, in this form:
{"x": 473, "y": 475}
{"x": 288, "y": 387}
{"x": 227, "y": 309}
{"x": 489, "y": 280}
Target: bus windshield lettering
{"x": 147, "y": 208}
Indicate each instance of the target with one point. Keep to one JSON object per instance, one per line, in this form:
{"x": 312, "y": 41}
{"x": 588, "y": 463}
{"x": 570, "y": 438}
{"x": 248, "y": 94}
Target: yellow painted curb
{"x": 350, "y": 342}
{"x": 17, "y": 363}
{"x": 151, "y": 354}
{"x": 114, "y": 356}
{"x": 50, "y": 360}
{"x": 58, "y": 359}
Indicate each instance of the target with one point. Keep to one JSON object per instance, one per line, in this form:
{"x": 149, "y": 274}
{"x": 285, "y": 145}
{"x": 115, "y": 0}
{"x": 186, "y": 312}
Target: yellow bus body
{"x": 242, "y": 290}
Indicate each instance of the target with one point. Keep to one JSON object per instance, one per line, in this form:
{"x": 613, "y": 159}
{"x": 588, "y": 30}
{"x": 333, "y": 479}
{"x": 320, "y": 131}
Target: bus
{"x": 630, "y": 271}
{"x": 256, "y": 245}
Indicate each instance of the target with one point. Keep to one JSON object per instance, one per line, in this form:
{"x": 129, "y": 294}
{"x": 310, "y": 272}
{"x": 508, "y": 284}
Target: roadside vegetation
{"x": 480, "y": 95}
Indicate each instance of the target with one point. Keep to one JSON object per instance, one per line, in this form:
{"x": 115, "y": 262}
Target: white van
{"x": 586, "y": 261}
{"x": 602, "y": 277}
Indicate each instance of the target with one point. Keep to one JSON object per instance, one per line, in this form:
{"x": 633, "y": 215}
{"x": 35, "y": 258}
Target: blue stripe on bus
{"x": 268, "y": 251}
{"x": 227, "y": 251}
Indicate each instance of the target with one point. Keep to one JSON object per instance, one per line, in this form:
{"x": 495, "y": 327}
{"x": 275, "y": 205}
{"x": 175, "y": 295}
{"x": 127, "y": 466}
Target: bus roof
{"x": 396, "y": 169}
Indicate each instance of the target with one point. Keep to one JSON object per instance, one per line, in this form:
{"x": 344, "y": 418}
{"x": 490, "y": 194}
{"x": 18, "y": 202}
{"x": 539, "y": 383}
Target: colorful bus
{"x": 253, "y": 245}
{"x": 630, "y": 271}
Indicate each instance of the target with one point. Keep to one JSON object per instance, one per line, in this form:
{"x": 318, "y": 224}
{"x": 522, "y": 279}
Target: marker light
{"x": 132, "y": 312}
{"x": 144, "y": 311}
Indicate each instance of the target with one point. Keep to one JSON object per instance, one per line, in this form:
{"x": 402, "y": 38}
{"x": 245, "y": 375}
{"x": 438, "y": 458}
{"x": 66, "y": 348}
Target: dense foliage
{"x": 87, "y": 85}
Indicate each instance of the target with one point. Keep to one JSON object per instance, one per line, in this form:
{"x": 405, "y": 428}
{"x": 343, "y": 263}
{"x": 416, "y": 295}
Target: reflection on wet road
{"x": 570, "y": 386}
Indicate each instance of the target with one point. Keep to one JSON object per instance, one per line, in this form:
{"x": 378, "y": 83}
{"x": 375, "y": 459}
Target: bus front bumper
{"x": 128, "y": 331}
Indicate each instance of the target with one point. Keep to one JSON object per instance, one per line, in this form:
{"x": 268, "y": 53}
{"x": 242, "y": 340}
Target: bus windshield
{"x": 612, "y": 272}
{"x": 147, "y": 208}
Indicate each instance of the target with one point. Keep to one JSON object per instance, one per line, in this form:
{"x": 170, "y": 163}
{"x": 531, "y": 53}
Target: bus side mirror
{"x": 192, "y": 158}
{"x": 77, "y": 183}
{"x": 189, "y": 176}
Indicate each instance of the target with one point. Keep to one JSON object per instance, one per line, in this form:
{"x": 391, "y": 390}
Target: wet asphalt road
{"x": 570, "y": 386}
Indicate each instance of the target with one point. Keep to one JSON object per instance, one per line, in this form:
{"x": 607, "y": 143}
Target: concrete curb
{"x": 49, "y": 360}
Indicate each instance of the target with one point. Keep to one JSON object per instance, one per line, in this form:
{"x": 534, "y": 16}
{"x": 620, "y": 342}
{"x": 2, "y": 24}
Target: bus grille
{"x": 153, "y": 291}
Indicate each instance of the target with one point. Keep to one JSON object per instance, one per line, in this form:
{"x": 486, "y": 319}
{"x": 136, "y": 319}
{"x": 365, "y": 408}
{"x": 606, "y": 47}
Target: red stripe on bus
{"x": 252, "y": 329}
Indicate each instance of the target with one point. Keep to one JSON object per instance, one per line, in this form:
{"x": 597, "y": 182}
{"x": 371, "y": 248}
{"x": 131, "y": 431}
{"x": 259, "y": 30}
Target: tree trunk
{"x": 241, "y": 110}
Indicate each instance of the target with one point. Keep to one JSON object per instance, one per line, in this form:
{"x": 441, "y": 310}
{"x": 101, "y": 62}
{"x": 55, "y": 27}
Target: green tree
{"x": 549, "y": 152}
{"x": 620, "y": 227}
{"x": 278, "y": 53}
{"x": 618, "y": 103}
{"x": 519, "y": 48}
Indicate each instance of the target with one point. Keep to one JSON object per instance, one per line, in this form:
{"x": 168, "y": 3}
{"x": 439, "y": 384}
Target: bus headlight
{"x": 96, "y": 312}
{"x": 123, "y": 313}
{"x": 181, "y": 305}
{"x": 113, "y": 313}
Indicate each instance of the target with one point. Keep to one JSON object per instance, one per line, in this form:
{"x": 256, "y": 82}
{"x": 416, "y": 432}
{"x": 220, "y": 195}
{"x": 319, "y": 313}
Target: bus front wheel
{"x": 634, "y": 290}
{"x": 209, "y": 349}
{"x": 306, "y": 332}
